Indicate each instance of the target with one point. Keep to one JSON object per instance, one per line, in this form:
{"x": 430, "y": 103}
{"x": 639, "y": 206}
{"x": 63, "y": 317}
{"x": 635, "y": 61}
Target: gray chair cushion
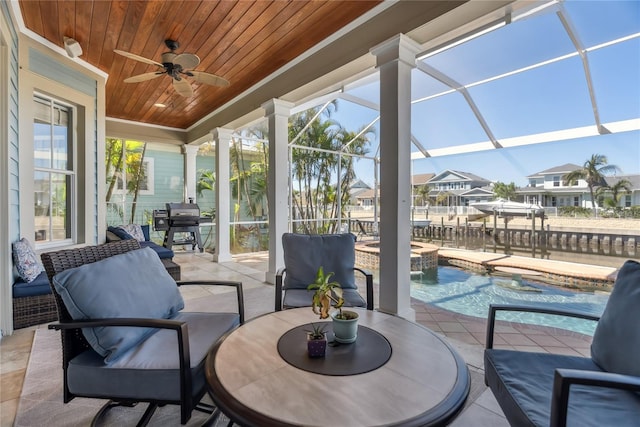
{"x": 304, "y": 254}
{"x": 523, "y": 383}
{"x": 616, "y": 341}
{"x": 302, "y": 298}
{"x": 118, "y": 287}
{"x": 151, "y": 369}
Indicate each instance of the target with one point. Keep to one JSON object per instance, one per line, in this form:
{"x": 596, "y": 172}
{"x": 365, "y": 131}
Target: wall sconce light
{"x": 72, "y": 47}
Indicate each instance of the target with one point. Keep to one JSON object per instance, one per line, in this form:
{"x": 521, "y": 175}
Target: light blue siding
{"x": 47, "y": 66}
{"x": 13, "y": 151}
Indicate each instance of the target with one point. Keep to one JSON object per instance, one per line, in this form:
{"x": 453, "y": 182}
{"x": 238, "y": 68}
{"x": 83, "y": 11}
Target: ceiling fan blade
{"x": 208, "y": 79}
{"x": 143, "y": 77}
{"x": 137, "y": 57}
{"x": 183, "y": 87}
{"x": 187, "y": 60}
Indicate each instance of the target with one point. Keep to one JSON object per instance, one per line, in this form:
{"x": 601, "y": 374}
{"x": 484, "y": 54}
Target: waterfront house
{"x": 549, "y": 188}
{"x": 456, "y": 188}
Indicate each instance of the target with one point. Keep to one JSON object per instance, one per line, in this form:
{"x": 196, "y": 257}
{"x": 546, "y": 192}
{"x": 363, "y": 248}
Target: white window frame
{"x": 148, "y": 164}
{"x": 70, "y": 171}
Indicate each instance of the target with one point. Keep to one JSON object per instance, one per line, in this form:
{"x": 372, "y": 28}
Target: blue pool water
{"x": 467, "y": 293}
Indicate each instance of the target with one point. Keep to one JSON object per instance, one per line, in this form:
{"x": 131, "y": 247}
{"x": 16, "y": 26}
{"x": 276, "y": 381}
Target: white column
{"x": 222, "y": 140}
{"x": 190, "y": 152}
{"x": 395, "y": 58}
{"x": 277, "y": 112}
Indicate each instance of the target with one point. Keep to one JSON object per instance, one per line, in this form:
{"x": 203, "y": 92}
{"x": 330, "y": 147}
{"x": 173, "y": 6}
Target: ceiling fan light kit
{"x": 177, "y": 66}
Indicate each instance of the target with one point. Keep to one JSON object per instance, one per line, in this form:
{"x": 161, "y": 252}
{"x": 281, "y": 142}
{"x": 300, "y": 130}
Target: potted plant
{"x": 345, "y": 323}
{"x": 317, "y": 340}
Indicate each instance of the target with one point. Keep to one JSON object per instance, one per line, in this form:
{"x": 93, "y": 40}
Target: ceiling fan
{"x": 176, "y": 65}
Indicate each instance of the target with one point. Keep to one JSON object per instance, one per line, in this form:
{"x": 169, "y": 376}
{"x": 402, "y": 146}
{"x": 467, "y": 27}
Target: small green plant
{"x": 325, "y": 293}
{"x": 317, "y": 331}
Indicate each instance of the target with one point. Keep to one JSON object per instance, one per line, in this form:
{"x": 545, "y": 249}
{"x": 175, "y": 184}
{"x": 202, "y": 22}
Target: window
{"x": 123, "y": 158}
{"x": 576, "y": 201}
{"x": 54, "y": 175}
{"x": 556, "y": 181}
{"x": 146, "y": 181}
{"x": 627, "y": 201}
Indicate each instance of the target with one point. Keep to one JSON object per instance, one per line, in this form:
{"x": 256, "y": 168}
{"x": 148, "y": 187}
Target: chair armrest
{"x": 494, "y": 308}
{"x": 119, "y": 321}
{"x": 369, "y": 281}
{"x": 237, "y": 285}
{"x": 564, "y": 378}
{"x": 279, "y": 273}
{"x": 181, "y": 328}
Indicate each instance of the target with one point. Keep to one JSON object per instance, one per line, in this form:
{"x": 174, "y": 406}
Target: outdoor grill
{"x": 183, "y": 214}
{"x": 179, "y": 218}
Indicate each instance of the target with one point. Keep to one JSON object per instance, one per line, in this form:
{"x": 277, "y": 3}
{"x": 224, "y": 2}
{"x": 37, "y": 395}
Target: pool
{"x": 469, "y": 293}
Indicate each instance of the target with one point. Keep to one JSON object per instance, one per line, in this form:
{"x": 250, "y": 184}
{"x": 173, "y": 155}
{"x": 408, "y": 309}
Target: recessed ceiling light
{"x": 159, "y": 105}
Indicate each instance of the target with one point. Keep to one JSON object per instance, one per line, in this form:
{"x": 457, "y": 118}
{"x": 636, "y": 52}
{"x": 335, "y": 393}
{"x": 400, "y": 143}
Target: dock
{"x": 562, "y": 273}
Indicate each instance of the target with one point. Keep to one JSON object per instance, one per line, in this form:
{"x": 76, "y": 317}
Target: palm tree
{"x": 617, "y": 190}
{"x": 593, "y": 172}
{"x": 315, "y": 170}
{"x": 128, "y": 157}
{"x": 505, "y": 191}
{"x": 422, "y": 194}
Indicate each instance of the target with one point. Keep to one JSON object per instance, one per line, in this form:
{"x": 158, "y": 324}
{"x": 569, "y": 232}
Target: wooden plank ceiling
{"x": 241, "y": 41}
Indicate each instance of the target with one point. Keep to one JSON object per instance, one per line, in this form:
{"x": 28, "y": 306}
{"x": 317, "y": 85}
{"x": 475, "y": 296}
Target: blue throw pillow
{"x": 616, "y": 342}
{"x": 133, "y": 284}
{"x": 26, "y": 261}
{"x": 120, "y": 233}
{"x": 145, "y": 232}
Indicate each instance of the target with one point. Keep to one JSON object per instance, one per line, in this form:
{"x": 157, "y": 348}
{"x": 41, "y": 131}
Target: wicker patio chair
{"x": 180, "y": 380}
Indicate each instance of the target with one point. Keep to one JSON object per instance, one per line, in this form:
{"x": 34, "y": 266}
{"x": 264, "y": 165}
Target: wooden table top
{"x": 425, "y": 382}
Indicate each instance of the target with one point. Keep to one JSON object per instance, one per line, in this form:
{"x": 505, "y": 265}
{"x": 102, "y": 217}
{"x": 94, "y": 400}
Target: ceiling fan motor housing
{"x": 172, "y": 44}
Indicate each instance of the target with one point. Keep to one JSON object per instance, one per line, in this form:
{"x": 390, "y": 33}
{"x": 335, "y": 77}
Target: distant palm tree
{"x": 593, "y": 172}
{"x": 617, "y": 190}
{"x": 505, "y": 191}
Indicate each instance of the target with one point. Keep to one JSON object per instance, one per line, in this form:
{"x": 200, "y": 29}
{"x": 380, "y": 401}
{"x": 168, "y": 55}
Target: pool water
{"x": 469, "y": 293}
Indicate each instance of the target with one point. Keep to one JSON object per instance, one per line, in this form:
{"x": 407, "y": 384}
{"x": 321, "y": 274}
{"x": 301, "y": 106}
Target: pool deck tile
{"x": 544, "y": 340}
{"x": 517, "y": 339}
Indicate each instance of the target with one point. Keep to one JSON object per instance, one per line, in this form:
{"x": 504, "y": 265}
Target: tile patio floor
{"x": 466, "y": 334}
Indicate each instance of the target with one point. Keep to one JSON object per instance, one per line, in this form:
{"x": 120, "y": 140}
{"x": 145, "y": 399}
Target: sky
{"x": 543, "y": 99}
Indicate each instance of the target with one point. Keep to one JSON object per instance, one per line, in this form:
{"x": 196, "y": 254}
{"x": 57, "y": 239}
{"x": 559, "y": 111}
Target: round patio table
{"x": 424, "y": 382}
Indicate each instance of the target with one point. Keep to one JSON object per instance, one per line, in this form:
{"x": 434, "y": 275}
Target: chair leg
{"x": 146, "y": 417}
{"x": 103, "y": 410}
{"x": 212, "y": 419}
{"x": 205, "y": 407}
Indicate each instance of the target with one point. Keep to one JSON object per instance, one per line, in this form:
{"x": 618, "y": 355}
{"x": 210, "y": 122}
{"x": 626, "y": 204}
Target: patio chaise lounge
{"x": 542, "y": 389}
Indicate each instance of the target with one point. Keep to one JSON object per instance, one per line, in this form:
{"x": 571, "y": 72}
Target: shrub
{"x": 574, "y": 211}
